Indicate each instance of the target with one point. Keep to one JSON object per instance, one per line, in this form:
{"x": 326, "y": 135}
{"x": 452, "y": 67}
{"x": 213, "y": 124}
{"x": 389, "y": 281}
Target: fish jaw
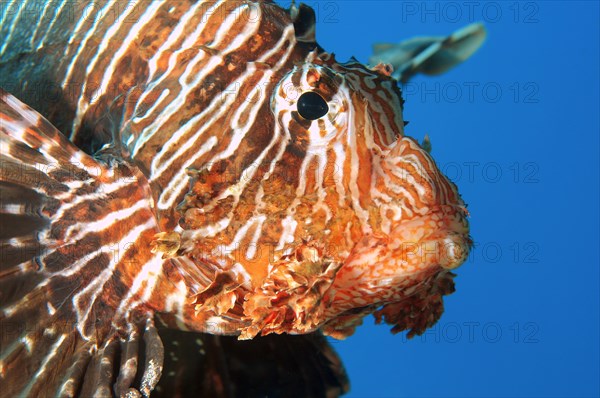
{"x": 388, "y": 268}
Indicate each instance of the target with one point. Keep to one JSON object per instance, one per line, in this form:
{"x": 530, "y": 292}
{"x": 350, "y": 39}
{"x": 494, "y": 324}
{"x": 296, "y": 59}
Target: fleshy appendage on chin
{"x": 292, "y": 297}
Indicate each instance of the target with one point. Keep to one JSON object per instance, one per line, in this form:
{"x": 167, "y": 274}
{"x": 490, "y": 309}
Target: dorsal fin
{"x": 305, "y": 20}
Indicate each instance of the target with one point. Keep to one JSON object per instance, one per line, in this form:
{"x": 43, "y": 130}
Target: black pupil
{"x": 312, "y": 106}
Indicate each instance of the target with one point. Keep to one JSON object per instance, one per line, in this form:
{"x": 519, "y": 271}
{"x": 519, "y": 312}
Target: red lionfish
{"x": 224, "y": 174}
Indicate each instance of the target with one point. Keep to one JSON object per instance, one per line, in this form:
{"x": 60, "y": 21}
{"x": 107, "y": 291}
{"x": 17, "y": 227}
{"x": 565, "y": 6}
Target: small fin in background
{"x": 430, "y": 55}
{"x": 455, "y": 49}
{"x": 67, "y": 309}
{"x": 404, "y": 54}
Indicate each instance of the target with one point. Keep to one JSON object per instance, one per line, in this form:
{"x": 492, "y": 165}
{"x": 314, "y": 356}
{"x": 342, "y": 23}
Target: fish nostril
{"x": 312, "y": 106}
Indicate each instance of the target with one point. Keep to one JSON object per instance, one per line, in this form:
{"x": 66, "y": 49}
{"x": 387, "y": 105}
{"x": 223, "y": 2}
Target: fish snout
{"x": 425, "y": 212}
{"x": 439, "y": 238}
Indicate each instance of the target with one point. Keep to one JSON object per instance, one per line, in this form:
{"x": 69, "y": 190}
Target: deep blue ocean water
{"x": 516, "y": 127}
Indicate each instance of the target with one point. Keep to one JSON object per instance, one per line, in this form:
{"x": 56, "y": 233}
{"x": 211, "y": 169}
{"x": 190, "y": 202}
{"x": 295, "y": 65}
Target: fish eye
{"x": 312, "y": 106}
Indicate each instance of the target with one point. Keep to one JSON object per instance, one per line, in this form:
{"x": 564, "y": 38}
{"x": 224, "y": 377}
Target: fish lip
{"x": 438, "y": 239}
{"x": 443, "y": 231}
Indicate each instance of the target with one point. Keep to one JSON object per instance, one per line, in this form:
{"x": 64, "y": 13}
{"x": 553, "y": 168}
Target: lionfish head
{"x": 380, "y": 224}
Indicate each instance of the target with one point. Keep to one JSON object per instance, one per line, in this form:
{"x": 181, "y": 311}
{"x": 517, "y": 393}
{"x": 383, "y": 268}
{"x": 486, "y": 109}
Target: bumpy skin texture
{"x": 231, "y": 212}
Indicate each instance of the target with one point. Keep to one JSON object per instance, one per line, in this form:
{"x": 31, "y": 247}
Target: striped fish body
{"x": 242, "y": 182}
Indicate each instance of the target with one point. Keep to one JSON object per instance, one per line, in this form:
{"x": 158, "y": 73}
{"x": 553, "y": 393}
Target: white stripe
{"x": 85, "y": 228}
{"x": 138, "y": 118}
{"x": 6, "y": 351}
{"x": 5, "y": 7}
{"x": 175, "y": 303}
{"x": 236, "y": 243}
{"x": 173, "y": 37}
{"x": 340, "y": 157}
{"x": 8, "y": 37}
{"x": 82, "y": 45}
{"x": 96, "y": 285}
{"x": 54, "y": 19}
{"x": 171, "y": 191}
{"x": 82, "y": 105}
{"x": 289, "y": 225}
{"x": 361, "y": 213}
{"x": 39, "y": 23}
{"x": 149, "y": 273}
{"x": 103, "y": 191}
{"x": 12, "y": 209}
{"x": 134, "y": 31}
{"x": 53, "y": 351}
{"x": 72, "y": 268}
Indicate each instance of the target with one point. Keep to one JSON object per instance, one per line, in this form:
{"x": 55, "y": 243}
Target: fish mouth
{"x": 390, "y": 268}
{"x": 438, "y": 238}
{"x": 415, "y": 247}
